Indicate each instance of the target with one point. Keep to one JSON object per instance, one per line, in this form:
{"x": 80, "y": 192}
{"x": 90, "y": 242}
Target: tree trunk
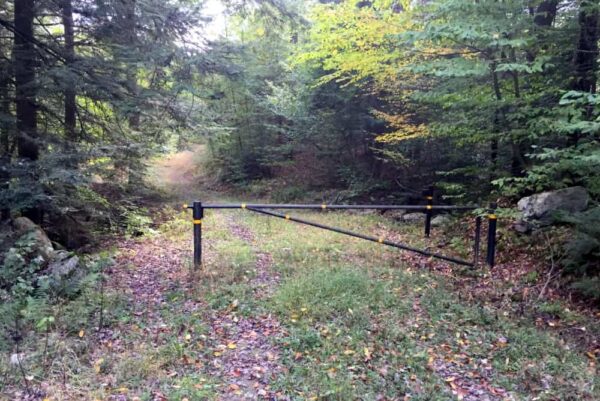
{"x": 5, "y": 110}
{"x": 5, "y": 128}
{"x": 69, "y": 93}
{"x": 131, "y": 39}
{"x": 586, "y": 55}
{"x": 497, "y": 124}
{"x": 545, "y": 13}
{"x": 25, "y": 86}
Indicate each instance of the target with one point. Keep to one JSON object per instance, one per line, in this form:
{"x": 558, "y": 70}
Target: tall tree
{"x": 69, "y": 54}
{"x": 24, "y": 56}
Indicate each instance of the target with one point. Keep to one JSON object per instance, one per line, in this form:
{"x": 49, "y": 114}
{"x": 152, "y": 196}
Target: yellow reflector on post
{"x": 492, "y": 217}
{"x": 197, "y": 221}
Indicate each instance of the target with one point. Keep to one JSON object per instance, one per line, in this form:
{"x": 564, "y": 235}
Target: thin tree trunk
{"x": 130, "y": 37}
{"x": 25, "y": 89}
{"x": 586, "y": 56}
{"x": 5, "y": 155}
{"x": 69, "y": 93}
{"x": 5, "y": 111}
{"x": 545, "y": 13}
{"x": 497, "y": 121}
{"x": 518, "y": 164}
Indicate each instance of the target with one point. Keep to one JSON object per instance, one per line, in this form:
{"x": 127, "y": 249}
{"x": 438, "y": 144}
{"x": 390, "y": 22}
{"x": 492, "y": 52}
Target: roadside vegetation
{"x": 115, "y": 113}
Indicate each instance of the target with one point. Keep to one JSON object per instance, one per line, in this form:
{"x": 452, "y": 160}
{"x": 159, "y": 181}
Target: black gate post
{"x": 491, "y": 248}
{"x": 477, "y": 241}
{"x": 429, "y": 211}
{"x": 197, "y": 216}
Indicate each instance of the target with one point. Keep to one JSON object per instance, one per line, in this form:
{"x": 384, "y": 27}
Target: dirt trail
{"x": 243, "y": 360}
{"x": 177, "y": 174}
{"x": 252, "y": 358}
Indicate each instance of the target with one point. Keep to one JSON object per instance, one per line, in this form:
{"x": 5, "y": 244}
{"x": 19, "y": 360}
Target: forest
{"x": 115, "y": 113}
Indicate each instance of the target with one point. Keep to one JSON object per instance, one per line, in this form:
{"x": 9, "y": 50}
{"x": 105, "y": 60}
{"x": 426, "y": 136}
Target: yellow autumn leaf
{"x": 81, "y": 333}
{"x": 188, "y": 337}
{"x": 367, "y": 353}
{"x": 231, "y": 346}
{"x": 217, "y": 353}
{"x": 348, "y": 352}
{"x": 98, "y": 365}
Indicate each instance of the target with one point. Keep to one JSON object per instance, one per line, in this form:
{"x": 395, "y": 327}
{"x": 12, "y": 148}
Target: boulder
{"x": 22, "y": 225}
{"x": 541, "y": 206}
{"x": 63, "y": 267}
{"x": 395, "y": 214}
{"x": 40, "y": 243}
{"x": 440, "y": 220}
{"x": 522, "y": 226}
{"x": 413, "y": 217}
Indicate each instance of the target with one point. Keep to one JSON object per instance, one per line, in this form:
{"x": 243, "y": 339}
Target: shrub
{"x": 582, "y": 252}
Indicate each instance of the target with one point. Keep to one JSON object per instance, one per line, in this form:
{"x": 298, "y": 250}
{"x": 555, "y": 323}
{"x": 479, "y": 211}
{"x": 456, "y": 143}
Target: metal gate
{"x": 428, "y": 209}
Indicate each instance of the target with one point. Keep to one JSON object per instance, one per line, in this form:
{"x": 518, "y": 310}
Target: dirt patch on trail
{"x": 178, "y": 174}
{"x": 246, "y": 356}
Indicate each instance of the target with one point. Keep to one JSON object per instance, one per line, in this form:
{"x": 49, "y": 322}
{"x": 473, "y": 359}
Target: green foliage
{"x": 582, "y": 252}
{"x": 327, "y": 294}
{"x": 33, "y": 301}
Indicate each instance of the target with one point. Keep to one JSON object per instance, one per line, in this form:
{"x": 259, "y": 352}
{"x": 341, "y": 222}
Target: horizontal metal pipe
{"x": 361, "y": 236}
{"x": 325, "y": 206}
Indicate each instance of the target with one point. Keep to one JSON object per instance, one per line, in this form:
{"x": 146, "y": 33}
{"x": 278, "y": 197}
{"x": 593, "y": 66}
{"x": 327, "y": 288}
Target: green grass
{"x": 340, "y": 295}
{"x": 359, "y": 322}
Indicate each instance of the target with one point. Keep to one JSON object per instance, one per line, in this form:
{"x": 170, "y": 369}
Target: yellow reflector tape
{"x": 492, "y": 217}
{"x": 429, "y": 198}
{"x": 323, "y": 206}
{"x": 287, "y": 216}
{"x": 380, "y": 240}
{"x": 243, "y": 205}
{"x": 197, "y": 221}
{"x": 429, "y": 207}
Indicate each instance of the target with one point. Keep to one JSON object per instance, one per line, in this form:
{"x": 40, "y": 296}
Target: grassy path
{"x": 286, "y": 312}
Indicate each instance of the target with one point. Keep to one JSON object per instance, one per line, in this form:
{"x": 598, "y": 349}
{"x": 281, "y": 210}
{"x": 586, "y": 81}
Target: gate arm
{"x": 361, "y": 236}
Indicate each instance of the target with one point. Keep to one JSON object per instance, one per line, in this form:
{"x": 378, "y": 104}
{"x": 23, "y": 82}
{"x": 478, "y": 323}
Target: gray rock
{"x": 63, "y": 268}
{"x": 413, "y": 217}
{"x": 41, "y": 244}
{"x": 522, "y": 226}
{"x": 16, "y": 359}
{"x": 22, "y": 225}
{"x": 541, "y": 206}
{"x": 440, "y": 220}
{"x": 395, "y": 214}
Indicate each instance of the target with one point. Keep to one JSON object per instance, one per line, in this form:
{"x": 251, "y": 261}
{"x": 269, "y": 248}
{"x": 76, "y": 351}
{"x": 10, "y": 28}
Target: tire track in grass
{"x": 245, "y": 357}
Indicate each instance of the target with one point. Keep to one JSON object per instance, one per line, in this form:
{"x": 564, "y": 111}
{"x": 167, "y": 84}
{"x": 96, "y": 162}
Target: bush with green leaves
{"x": 582, "y": 252}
